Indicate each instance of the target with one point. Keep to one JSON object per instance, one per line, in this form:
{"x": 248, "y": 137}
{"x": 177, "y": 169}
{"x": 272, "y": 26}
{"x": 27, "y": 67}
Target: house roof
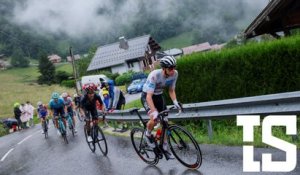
{"x": 196, "y": 48}
{"x": 174, "y": 52}
{"x": 278, "y": 15}
{"x": 110, "y": 55}
{"x": 54, "y": 57}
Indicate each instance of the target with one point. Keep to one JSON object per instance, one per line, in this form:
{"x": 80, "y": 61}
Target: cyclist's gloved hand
{"x": 153, "y": 114}
{"x": 178, "y": 106}
{"x": 111, "y": 110}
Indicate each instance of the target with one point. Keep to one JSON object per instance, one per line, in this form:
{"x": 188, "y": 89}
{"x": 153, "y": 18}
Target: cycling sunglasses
{"x": 171, "y": 68}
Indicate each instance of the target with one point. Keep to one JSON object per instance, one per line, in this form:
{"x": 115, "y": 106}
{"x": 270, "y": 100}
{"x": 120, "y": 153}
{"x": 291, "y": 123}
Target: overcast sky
{"x": 78, "y": 18}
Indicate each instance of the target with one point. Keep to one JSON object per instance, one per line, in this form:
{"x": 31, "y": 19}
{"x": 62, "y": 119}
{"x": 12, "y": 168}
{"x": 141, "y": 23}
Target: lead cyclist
{"x": 152, "y": 98}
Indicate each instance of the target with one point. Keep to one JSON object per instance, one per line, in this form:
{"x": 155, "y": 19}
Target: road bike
{"x": 62, "y": 129}
{"x": 97, "y": 135}
{"x": 45, "y": 127}
{"x": 181, "y": 143}
{"x": 70, "y": 123}
{"x": 77, "y": 113}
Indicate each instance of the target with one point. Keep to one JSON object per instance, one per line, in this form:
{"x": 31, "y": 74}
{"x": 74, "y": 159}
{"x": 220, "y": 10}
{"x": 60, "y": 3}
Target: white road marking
{"x": 24, "y": 139}
{"x": 2, "y": 159}
{"x": 6, "y": 154}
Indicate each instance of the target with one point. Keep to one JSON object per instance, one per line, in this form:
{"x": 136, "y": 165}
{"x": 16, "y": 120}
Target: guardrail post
{"x": 209, "y": 129}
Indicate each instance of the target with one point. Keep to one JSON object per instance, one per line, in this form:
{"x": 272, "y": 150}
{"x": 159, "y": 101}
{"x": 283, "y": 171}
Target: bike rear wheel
{"x": 77, "y": 113}
{"x": 71, "y": 126}
{"x": 100, "y": 139}
{"x": 146, "y": 153}
{"x": 90, "y": 144}
{"x": 184, "y": 147}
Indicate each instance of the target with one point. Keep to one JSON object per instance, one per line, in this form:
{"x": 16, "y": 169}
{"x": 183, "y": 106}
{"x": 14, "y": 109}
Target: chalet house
{"x": 174, "y": 52}
{"x": 277, "y": 16}
{"x": 54, "y": 58}
{"x": 203, "y": 47}
{"x": 3, "y": 62}
{"x": 137, "y": 54}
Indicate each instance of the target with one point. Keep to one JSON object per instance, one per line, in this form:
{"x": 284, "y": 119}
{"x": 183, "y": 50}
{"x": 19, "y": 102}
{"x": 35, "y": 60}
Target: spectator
{"x": 29, "y": 110}
{"x": 116, "y": 100}
{"x": 23, "y": 116}
{"x": 105, "y": 97}
{"x": 105, "y": 94}
{"x": 18, "y": 113}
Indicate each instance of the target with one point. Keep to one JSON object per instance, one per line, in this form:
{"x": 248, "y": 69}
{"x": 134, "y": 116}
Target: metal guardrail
{"x": 283, "y": 103}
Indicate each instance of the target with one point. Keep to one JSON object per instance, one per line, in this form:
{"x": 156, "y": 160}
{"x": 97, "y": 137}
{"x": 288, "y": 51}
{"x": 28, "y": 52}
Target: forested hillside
{"x": 53, "y": 26}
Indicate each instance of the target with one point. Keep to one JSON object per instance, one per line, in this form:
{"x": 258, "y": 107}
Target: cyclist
{"x": 69, "y": 105}
{"x": 76, "y": 100}
{"x": 152, "y": 98}
{"x": 88, "y": 106}
{"x": 42, "y": 113}
{"x": 117, "y": 100}
{"x": 58, "y": 108}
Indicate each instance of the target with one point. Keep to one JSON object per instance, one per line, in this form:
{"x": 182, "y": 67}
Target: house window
{"x": 130, "y": 64}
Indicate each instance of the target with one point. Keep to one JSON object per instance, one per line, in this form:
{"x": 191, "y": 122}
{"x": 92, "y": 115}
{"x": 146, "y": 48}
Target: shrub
{"x": 68, "y": 83}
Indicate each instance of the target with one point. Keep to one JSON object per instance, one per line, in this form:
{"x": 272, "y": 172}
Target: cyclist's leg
{"x": 150, "y": 124}
{"x": 42, "y": 122}
{"x": 62, "y": 114}
{"x": 94, "y": 114}
{"x": 55, "y": 117}
{"x": 87, "y": 120}
{"x": 72, "y": 113}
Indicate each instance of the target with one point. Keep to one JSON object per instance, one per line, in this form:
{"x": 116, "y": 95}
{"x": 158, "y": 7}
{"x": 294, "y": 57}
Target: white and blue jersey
{"x": 156, "y": 82}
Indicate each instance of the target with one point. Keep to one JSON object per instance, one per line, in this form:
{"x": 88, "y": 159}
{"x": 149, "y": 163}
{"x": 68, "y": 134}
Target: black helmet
{"x": 168, "y": 61}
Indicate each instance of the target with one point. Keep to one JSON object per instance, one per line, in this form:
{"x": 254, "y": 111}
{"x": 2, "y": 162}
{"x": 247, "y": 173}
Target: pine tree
{"x": 47, "y": 70}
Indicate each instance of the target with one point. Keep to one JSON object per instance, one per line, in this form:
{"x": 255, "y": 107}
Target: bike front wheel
{"x": 63, "y": 131}
{"x": 146, "y": 153}
{"x": 90, "y": 144}
{"x": 184, "y": 147}
{"x": 101, "y": 141}
{"x": 45, "y": 128}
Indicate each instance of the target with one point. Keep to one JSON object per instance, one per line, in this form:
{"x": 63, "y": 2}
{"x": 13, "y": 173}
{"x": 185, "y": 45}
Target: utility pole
{"x": 74, "y": 69}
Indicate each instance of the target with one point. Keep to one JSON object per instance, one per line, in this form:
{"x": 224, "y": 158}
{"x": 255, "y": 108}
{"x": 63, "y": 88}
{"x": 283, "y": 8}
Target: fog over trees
{"x": 52, "y": 26}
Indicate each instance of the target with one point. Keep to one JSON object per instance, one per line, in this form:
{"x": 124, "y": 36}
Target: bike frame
{"x": 61, "y": 125}
{"x": 165, "y": 125}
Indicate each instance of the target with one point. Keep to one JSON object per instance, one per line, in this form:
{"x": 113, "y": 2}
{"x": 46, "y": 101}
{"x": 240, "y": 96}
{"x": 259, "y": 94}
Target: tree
{"x": 47, "y": 70}
{"x": 83, "y": 63}
{"x": 18, "y": 59}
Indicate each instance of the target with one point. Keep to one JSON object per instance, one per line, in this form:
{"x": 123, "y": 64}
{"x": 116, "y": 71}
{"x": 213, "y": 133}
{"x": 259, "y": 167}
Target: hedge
{"x": 68, "y": 83}
{"x": 250, "y": 70}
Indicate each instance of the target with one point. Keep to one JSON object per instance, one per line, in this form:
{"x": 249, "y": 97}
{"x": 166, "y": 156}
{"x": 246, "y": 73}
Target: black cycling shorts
{"x": 59, "y": 112}
{"x": 91, "y": 113}
{"x": 70, "y": 111}
{"x": 158, "y": 100}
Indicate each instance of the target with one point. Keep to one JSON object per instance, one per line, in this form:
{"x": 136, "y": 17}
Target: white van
{"x": 93, "y": 79}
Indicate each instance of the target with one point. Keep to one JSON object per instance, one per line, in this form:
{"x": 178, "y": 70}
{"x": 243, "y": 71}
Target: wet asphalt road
{"x": 36, "y": 155}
